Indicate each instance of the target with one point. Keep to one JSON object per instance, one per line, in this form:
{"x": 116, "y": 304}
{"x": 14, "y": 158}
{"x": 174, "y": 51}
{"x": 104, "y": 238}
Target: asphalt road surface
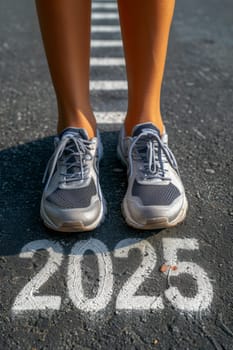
{"x": 105, "y": 289}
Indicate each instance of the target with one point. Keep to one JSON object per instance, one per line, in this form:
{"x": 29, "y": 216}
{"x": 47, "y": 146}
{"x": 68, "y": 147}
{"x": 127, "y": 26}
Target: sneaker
{"x": 72, "y": 200}
{"x": 155, "y": 196}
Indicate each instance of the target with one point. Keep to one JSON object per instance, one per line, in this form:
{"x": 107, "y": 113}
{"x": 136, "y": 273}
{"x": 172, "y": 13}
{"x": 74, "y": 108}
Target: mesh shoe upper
{"x": 155, "y": 194}
{"x": 155, "y": 190}
{"x": 73, "y": 162}
{"x": 72, "y": 194}
{"x": 153, "y": 156}
{"x": 73, "y": 198}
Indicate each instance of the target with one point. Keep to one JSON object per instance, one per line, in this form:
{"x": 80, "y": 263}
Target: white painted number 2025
{"x": 127, "y": 299}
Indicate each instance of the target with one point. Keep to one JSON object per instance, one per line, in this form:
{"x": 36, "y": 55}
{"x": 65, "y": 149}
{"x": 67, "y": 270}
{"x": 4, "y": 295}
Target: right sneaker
{"x": 155, "y": 196}
{"x": 72, "y": 199}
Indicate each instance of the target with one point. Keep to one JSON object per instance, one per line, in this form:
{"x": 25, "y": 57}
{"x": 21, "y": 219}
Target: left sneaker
{"x": 155, "y": 196}
{"x": 72, "y": 199}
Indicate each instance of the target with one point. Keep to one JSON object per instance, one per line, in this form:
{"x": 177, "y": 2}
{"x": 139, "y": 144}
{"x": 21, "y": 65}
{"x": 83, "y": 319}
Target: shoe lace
{"x": 154, "y": 154}
{"x": 72, "y": 153}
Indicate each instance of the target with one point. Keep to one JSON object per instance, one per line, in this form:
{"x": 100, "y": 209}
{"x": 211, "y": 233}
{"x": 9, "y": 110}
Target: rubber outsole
{"x": 77, "y": 226}
{"x": 156, "y": 223}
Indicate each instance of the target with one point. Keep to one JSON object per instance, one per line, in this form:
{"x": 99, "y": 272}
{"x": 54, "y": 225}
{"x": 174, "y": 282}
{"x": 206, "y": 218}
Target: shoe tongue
{"x": 143, "y": 128}
{"x": 77, "y": 132}
{"x": 74, "y": 132}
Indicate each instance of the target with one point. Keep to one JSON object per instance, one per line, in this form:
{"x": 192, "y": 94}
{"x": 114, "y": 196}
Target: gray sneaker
{"x": 72, "y": 200}
{"x": 155, "y": 196}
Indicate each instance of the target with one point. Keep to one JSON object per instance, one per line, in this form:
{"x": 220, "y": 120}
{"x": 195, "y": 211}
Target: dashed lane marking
{"x": 104, "y": 15}
{"x": 106, "y": 43}
{"x": 107, "y": 61}
{"x": 110, "y": 117}
{"x": 105, "y": 29}
{"x": 108, "y": 85}
{"x": 104, "y": 5}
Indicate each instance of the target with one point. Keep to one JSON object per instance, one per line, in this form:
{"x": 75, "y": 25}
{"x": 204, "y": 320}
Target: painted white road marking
{"x": 104, "y": 5}
{"x": 105, "y": 61}
{"x": 127, "y": 300}
{"x": 75, "y": 286}
{"x": 26, "y": 299}
{"x": 105, "y": 15}
{"x": 106, "y": 43}
{"x": 110, "y": 117}
{"x": 105, "y": 29}
{"x": 108, "y": 85}
{"x": 204, "y": 295}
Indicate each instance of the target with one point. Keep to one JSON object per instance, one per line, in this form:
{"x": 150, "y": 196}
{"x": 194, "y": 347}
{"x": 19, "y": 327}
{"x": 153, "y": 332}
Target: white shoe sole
{"x": 158, "y": 222}
{"x": 73, "y": 226}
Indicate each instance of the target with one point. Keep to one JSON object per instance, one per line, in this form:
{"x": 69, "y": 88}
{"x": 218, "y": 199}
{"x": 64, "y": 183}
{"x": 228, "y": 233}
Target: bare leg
{"x": 145, "y": 31}
{"x": 65, "y": 28}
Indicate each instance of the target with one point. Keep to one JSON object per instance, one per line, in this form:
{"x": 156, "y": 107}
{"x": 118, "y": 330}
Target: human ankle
{"x": 129, "y": 125}
{"x": 79, "y": 120}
